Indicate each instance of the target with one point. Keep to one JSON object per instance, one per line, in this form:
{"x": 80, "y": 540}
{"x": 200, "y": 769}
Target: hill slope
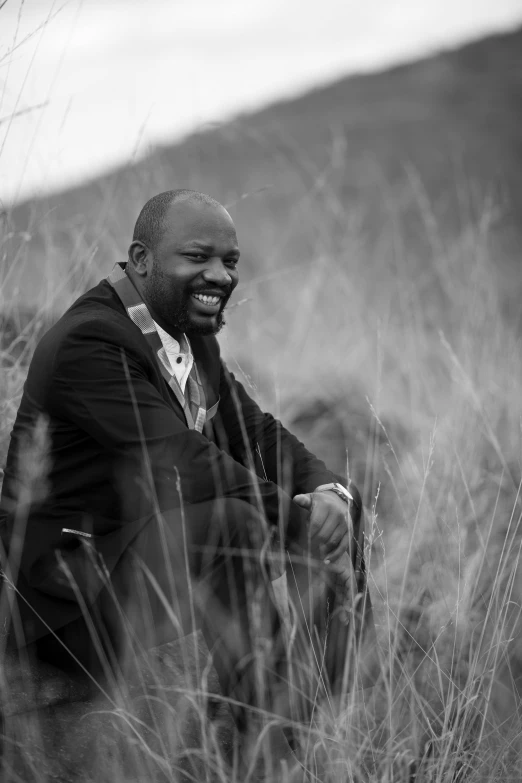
{"x": 428, "y": 147}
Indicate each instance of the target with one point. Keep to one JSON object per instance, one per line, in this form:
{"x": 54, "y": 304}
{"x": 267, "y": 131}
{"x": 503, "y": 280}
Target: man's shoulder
{"x": 100, "y": 302}
{"x": 98, "y": 314}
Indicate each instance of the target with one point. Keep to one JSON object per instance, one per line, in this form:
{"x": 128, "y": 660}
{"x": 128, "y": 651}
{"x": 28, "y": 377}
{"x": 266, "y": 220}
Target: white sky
{"x": 119, "y": 75}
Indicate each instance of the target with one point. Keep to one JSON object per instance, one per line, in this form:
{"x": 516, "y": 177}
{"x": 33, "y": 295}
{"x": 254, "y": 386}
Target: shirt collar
{"x": 170, "y": 343}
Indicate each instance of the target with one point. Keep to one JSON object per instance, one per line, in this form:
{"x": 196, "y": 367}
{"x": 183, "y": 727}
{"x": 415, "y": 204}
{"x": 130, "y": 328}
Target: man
{"x": 165, "y": 482}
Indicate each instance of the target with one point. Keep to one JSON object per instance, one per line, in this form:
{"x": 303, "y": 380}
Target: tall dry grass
{"x": 417, "y": 396}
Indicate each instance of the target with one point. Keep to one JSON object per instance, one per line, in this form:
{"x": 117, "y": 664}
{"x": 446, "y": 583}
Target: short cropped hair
{"x": 150, "y": 223}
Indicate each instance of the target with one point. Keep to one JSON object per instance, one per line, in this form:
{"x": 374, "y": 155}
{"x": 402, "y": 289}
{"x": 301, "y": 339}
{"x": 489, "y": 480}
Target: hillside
{"x": 427, "y": 146}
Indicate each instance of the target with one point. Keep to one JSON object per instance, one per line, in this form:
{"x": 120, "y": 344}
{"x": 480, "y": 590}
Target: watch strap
{"x": 339, "y": 490}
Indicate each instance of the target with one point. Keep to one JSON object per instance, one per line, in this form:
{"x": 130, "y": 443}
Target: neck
{"x": 175, "y": 333}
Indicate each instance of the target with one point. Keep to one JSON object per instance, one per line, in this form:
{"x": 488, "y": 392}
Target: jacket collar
{"x": 193, "y": 401}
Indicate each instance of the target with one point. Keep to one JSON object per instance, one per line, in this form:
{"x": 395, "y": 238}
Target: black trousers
{"x": 209, "y": 566}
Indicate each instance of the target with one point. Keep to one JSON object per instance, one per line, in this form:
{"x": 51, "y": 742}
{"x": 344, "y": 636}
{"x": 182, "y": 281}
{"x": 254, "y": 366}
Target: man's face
{"x": 194, "y": 269}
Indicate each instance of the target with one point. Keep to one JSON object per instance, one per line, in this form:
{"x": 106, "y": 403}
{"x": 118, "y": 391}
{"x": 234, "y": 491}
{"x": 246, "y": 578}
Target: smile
{"x": 207, "y": 300}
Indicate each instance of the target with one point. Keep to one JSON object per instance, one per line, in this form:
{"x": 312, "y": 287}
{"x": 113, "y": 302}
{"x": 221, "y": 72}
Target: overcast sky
{"x": 118, "y": 75}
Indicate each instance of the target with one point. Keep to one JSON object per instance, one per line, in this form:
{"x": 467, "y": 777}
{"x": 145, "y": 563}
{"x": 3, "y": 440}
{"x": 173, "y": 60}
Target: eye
{"x": 231, "y": 261}
{"x": 196, "y": 256}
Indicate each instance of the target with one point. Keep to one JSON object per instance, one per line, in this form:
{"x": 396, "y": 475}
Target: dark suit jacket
{"x": 118, "y": 440}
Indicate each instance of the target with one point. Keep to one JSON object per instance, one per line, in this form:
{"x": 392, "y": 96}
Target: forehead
{"x": 188, "y": 221}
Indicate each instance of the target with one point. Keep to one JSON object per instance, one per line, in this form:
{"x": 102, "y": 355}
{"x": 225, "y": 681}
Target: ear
{"x": 140, "y": 258}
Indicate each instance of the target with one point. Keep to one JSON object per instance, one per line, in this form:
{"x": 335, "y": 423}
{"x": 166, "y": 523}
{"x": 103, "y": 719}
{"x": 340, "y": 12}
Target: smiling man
{"x": 166, "y": 483}
{"x": 187, "y": 271}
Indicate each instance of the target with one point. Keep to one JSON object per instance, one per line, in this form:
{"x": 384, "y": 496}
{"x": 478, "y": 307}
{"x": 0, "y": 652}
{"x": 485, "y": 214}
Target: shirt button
{"x": 179, "y": 360}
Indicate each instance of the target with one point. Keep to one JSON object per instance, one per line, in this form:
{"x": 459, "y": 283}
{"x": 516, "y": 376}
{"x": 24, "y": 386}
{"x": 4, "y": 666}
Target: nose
{"x": 217, "y": 273}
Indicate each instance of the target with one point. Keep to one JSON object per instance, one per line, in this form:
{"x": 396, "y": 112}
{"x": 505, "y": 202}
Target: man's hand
{"x": 330, "y": 522}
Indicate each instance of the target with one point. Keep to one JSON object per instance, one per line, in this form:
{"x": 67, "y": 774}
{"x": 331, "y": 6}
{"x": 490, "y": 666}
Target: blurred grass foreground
{"x": 379, "y": 315}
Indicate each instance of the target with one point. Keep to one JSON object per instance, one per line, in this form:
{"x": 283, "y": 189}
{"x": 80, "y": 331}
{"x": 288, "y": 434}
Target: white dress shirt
{"x": 181, "y": 359}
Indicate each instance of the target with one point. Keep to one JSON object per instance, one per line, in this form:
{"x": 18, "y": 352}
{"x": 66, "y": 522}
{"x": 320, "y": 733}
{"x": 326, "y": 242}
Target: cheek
{"x": 175, "y": 283}
{"x": 183, "y": 280}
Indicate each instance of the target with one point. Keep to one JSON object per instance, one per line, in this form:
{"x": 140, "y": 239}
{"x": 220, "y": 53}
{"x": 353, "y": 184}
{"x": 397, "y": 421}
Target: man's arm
{"x": 289, "y": 464}
{"x": 286, "y": 461}
{"x": 103, "y": 383}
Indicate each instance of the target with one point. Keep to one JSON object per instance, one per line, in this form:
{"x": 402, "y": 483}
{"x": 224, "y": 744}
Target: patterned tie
{"x": 193, "y": 401}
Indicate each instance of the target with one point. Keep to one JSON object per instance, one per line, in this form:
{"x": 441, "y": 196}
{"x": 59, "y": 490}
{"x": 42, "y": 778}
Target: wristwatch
{"x": 338, "y": 489}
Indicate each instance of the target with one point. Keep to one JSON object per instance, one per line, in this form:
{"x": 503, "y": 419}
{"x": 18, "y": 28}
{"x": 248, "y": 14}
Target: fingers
{"x": 305, "y": 501}
{"x": 328, "y": 526}
{"x": 322, "y": 522}
{"x": 333, "y": 535}
{"x": 328, "y": 514}
{"x": 342, "y": 568}
{"x": 335, "y": 552}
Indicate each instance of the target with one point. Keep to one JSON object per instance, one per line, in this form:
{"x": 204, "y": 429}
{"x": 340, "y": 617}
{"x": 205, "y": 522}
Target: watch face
{"x": 338, "y": 489}
{"x": 342, "y": 492}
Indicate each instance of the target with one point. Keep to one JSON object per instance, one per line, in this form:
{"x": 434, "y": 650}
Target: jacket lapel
{"x": 203, "y": 364}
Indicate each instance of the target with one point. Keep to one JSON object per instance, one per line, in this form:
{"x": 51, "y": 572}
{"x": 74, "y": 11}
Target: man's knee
{"x": 237, "y": 511}
{"x": 221, "y": 526}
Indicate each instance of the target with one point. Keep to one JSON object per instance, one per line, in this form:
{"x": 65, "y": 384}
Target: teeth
{"x": 209, "y": 300}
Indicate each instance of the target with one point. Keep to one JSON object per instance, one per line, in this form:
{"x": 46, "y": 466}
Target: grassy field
{"x": 381, "y": 325}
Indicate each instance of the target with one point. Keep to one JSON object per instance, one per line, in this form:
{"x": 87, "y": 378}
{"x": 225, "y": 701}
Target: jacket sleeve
{"x": 258, "y": 439}
{"x": 103, "y": 383}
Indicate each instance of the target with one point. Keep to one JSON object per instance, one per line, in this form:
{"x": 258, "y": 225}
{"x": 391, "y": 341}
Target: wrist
{"x": 338, "y": 489}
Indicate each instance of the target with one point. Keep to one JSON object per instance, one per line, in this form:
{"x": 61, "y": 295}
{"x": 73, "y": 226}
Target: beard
{"x": 172, "y": 303}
